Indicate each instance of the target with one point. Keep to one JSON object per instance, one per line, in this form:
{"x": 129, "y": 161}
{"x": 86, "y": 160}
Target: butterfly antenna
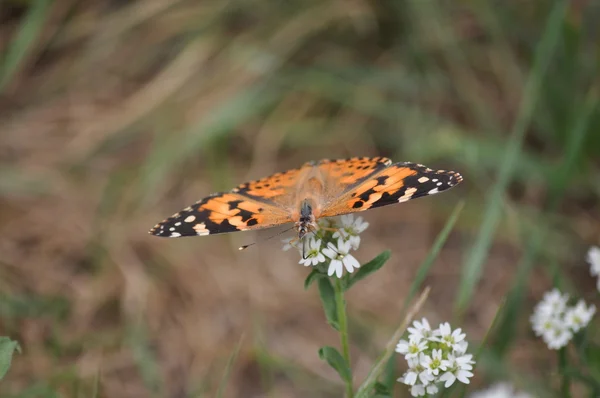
{"x": 244, "y": 247}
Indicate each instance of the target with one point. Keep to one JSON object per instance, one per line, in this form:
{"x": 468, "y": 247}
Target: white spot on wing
{"x": 407, "y": 195}
{"x": 200, "y": 229}
{"x": 175, "y": 235}
{"x": 434, "y": 190}
{"x": 423, "y": 179}
{"x": 190, "y": 218}
{"x": 172, "y": 229}
{"x": 178, "y": 223}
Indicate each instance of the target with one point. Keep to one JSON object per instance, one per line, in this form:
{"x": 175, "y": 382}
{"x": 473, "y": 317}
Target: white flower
{"x": 410, "y": 377}
{"x": 432, "y": 363}
{"x": 313, "y": 255}
{"x": 541, "y": 322}
{"x": 557, "y": 337}
{"x": 425, "y": 375}
{"x": 418, "y": 390}
{"x": 593, "y": 258}
{"x": 340, "y": 258}
{"x": 457, "y": 368}
{"x": 432, "y": 389}
{"x": 579, "y": 316}
{"x": 461, "y": 348}
{"x": 500, "y": 390}
{"x": 350, "y": 230}
{"x": 421, "y": 330}
{"x": 441, "y": 358}
{"x": 556, "y": 322}
{"x": 450, "y": 338}
{"x": 554, "y": 302}
{"x": 411, "y": 348}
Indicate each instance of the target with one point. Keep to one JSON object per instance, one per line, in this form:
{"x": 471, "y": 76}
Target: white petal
{"x": 339, "y": 268}
{"x": 410, "y": 378}
{"x": 331, "y": 269}
{"x": 463, "y": 376}
{"x": 335, "y": 266}
{"x": 329, "y": 252}
{"x": 449, "y": 378}
{"x": 350, "y": 262}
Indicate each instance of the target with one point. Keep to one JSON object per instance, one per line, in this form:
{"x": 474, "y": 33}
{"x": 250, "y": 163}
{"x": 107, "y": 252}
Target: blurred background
{"x": 115, "y": 114}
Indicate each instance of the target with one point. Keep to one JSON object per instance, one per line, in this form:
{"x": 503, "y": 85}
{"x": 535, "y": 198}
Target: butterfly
{"x": 326, "y": 188}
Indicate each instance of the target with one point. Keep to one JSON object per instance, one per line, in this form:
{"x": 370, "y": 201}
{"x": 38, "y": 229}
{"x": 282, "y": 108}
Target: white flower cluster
{"x": 500, "y": 390}
{"x": 593, "y": 258}
{"x": 556, "y": 321}
{"x": 332, "y": 243}
{"x": 434, "y": 357}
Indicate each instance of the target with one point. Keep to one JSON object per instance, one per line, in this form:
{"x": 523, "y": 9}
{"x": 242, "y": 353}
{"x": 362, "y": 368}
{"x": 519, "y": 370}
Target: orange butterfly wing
{"x": 253, "y": 205}
{"x": 394, "y": 183}
{"x": 339, "y": 186}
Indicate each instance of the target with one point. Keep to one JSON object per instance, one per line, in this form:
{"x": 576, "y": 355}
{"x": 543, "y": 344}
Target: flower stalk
{"x": 340, "y": 304}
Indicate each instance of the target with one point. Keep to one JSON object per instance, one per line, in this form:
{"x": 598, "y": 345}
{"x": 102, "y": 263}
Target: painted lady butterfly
{"x": 324, "y": 189}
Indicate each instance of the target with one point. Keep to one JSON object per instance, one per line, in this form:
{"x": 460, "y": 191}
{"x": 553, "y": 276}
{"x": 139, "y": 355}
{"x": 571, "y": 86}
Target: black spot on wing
{"x": 381, "y": 180}
{"x": 245, "y": 214}
{"x": 234, "y": 204}
{"x": 358, "y": 204}
{"x": 424, "y": 183}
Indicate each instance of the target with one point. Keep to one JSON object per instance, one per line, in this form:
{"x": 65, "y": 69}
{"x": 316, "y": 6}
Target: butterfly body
{"x": 301, "y": 196}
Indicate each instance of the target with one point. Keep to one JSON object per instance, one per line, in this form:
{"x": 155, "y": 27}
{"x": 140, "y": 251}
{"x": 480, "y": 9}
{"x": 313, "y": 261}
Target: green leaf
{"x": 313, "y": 276}
{"x": 369, "y": 268}
{"x": 336, "y": 361}
{"x": 24, "y": 41}
{"x": 381, "y": 391}
{"x": 591, "y": 356}
{"x": 7, "y": 349}
{"x": 440, "y": 240}
{"x": 328, "y": 299}
{"x": 389, "y": 376}
{"x": 228, "y": 367}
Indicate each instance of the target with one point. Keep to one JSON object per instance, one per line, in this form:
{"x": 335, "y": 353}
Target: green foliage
{"x": 7, "y": 350}
{"x": 333, "y": 357}
{"x": 315, "y": 274}
{"x": 23, "y": 41}
{"x": 426, "y": 265}
{"x": 382, "y": 391}
{"x": 328, "y": 300}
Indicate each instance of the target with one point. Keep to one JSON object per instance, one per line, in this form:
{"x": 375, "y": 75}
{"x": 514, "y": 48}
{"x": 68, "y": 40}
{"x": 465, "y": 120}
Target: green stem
{"x": 565, "y": 387}
{"x": 340, "y": 305}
